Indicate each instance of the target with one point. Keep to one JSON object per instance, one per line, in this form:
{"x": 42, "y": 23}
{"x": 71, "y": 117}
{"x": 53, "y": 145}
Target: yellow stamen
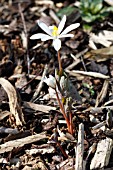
{"x": 55, "y": 31}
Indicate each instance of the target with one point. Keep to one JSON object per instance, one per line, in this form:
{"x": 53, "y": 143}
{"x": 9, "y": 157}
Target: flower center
{"x": 55, "y": 31}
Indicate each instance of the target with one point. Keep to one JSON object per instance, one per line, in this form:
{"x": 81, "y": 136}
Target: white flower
{"x": 51, "y": 81}
{"x": 52, "y": 93}
{"x": 55, "y": 33}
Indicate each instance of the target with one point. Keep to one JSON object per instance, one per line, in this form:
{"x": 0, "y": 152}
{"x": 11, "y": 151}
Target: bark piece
{"x": 102, "y": 155}
{"x": 8, "y": 146}
{"x": 87, "y": 73}
{"x": 14, "y": 105}
{"x": 80, "y": 148}
{"x": 43, "y": 150}
{"x": 101, "y": 96}
{"x": 38, "y": 107}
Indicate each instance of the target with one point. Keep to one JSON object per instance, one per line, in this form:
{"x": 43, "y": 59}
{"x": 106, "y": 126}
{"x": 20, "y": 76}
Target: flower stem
{"x": 59, "y": 62}
{"x": 63, "y": 152}
{"x": 63, "y": 111}
{"x": 71, "y": 124}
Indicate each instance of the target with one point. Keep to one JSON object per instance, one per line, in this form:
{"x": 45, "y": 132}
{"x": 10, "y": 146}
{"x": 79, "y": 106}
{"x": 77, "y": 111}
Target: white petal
{"x": 61, "y": 24}
{"x": 70, "y": 28}
{"x": 52, "y": 93}
{"x": 51, "y": 82}
{"x": 52, "y": 79}
{"x": 46, "y": 37}
{"x": 66, "y": 35}
{"x": 44, "y": 27}
{"x": 38, "y": 36}
{"x": 57, "y": 44}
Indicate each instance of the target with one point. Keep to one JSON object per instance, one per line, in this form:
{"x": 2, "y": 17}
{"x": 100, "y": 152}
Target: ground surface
{"x": 29, "y": 117}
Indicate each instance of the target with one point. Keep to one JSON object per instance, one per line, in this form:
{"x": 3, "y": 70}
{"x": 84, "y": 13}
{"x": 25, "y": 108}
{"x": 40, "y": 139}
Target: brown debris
{"x": 33, "y": 132}
{"x": 14, "y": 104}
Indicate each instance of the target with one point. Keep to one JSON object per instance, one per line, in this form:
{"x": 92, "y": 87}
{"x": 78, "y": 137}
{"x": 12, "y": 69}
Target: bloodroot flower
{"x": 55, "y": 33}
{"x": 51, "y": 81}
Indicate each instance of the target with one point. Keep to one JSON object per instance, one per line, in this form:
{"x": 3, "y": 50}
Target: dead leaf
{"x": 14, "y": 105}
{"x": 100, "y": 68}
{"x": 6, "y": 29}
{"x": 72, "y": 44}
{"x": 22, "y": 82}
{"x": 100, "y": 55}
{"x": 104, "y": 38}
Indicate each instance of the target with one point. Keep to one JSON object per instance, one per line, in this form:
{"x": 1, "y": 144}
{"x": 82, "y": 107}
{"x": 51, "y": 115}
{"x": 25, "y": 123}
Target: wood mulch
{"x": 29, "y": 117}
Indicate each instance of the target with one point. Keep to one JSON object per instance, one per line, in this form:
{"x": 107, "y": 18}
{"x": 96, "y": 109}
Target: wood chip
{"x": 80, "y": 148}
{"x": 85, "y": 73}
{"x": 102, "y": 94}
{"x": 43, "y": 150}
{"x": 38, "y": 107}
{"x": 8, "y": 146}
{"x": 102, "y": 156}
{"x": 110, "y": 2}
{"x": 14, "y": 105}
{"x": 99, "y": 125}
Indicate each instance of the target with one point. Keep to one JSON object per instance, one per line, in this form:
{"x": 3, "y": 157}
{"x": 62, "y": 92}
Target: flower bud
{"x": 51, "y": 81}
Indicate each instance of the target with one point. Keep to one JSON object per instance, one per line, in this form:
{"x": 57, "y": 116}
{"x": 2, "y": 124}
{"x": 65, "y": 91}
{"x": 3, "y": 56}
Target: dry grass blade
{"x": 14, "y": 105}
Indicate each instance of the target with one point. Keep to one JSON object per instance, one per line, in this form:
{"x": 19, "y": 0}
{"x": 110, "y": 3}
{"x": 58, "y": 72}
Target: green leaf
{"x": 86, "y": 85}
{"x": 92, "y": 92}
{"x": 97, "y": 8}
{"x": 106, "y": 10}
{"x": 65, "y": 11}
{"x": 89, "y": 17}
{"x": 92, "y": 10}
{"x": 87, "y": 28}
{"x": 85, "y": 4}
